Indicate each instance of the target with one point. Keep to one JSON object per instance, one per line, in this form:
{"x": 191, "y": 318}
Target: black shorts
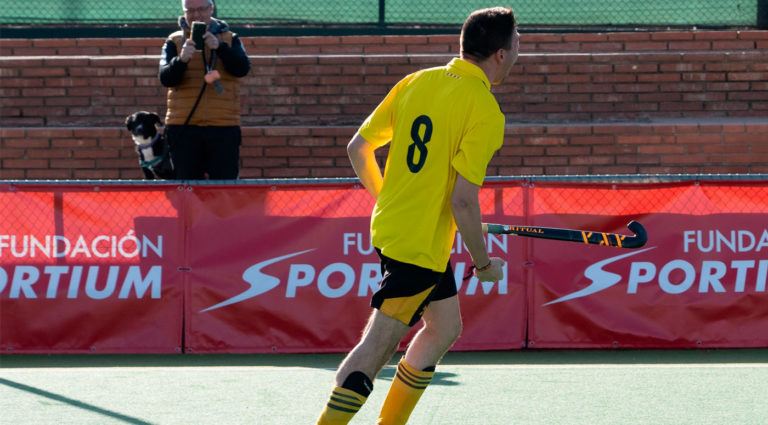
{"x": 406, "y": 289}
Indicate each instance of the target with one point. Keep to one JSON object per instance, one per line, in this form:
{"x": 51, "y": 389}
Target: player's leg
{"x": 376, "y": 347}
{"x": 442, "y": 326}
{"x": 354, "y": 377}
{"x": 404, "y": 294}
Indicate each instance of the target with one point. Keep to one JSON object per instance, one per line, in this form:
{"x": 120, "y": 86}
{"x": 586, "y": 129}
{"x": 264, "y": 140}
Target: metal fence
{"x": 688, "y": 13}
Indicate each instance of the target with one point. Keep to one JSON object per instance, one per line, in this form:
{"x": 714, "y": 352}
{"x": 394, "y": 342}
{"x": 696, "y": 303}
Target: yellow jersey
{"x": 440, "y": 121}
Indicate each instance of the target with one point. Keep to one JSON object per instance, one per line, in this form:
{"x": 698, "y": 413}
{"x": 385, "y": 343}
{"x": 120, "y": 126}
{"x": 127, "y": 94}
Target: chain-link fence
{"x": 742, "y": 13}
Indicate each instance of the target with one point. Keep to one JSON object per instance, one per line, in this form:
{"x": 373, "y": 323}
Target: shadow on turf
{"x": 331, "y": 361}
{"x": 72, "y": 402}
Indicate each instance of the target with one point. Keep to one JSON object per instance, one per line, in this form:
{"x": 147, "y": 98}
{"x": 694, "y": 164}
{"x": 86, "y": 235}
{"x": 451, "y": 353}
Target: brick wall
{"x": 309, "y": 151}
{"x": 623, "y": 103}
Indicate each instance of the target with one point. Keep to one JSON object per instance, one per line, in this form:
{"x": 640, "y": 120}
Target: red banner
{"x": 86, "y": 269}
{"x": 294, "y": 272}
{"x": 700, "y": 281}
{"x": 290, "y": 268}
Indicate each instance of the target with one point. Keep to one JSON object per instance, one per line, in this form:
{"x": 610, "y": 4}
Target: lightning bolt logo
{"x": 600, "y": 278}
{"x": 259, "y": 281}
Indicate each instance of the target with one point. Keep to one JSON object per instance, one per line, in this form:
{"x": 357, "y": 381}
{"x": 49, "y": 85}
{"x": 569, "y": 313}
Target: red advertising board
{"x": 290, "y": 268}
{"x": 700, "y": 281}
{"x": 294, "y": 272}
{"x": 86, "y": 269}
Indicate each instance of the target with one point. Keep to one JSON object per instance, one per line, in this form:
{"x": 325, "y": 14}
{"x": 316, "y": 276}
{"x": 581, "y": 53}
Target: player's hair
{"x": 486, "y": 31}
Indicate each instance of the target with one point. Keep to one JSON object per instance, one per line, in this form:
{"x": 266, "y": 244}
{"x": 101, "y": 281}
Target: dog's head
{"x": 143, "y": 126}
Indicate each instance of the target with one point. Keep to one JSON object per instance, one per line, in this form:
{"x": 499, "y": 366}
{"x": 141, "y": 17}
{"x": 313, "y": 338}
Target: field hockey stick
{"x": 584, "y": 236}
{"x": 589, "y": 237}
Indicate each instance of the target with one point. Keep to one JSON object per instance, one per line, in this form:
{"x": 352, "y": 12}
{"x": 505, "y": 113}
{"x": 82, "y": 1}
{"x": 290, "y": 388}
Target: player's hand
{"x": 187, "y": 51}
{"x": 211, "y": 42}
{"x": 493, "y": 273}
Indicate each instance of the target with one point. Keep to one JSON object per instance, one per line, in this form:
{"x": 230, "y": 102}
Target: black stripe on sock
{"x": 342, "y": 409}
{"x": 338, "y": 394}
{"x": 345, "y": 402}
{"x": 412, "y": 380}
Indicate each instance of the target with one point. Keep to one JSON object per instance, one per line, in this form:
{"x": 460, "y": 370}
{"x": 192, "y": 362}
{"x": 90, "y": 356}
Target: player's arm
{"x": 361, "y": 155}
{"x": 466, "y": 213}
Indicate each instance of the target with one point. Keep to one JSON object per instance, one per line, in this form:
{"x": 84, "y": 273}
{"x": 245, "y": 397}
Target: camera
{"x": 198, "y": 29}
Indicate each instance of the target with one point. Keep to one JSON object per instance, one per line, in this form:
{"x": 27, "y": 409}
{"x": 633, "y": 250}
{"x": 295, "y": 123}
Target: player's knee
{"x": 449, "y": 330}
{"x": 456, "y": 330}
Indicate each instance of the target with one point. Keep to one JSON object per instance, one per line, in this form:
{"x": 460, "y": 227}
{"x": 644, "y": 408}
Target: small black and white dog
{"x": 151, "y": 145}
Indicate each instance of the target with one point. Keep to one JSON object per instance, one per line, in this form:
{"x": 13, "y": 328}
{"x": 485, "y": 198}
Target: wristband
{"x": 484, "y": 268}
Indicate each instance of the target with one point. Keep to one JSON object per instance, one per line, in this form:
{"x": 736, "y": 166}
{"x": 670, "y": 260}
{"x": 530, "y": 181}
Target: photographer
{"x": 203, "y": 117}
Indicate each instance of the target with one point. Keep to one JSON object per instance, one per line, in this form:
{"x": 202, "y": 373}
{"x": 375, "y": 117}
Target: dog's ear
{"x": 156, "y": 119}
{"x": 130, "y": 122}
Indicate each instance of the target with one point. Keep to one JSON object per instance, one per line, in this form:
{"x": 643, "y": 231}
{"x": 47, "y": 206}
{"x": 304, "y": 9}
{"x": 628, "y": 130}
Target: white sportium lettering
{"x": 762, "y": 273}
{"x": 711, "y": 273}
{"x": 323, "y": 284}
{"x": 109, "y": 288}
{"x": 741, "y": 273}
{"x": 640, "y": 272}
{"x": 303, "y": 275}
{"x": 54, "y": 274}
{"x": 74, "y": 282}
{"x": 672, "y": 288}
{"x": 24, "y": 278}
{"x": 134, "y": 280}
{"x": 299, "y": 275}
{"x": 370, "y": 277}
{"x": 715, "y": 240}
{"x": 65, "y": 242}
{"x": 102, "y": 246}
{"x": 363, "y": 244}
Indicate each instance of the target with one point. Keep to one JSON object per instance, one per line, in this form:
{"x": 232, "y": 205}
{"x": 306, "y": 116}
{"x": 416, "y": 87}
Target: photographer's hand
{"x": 187, "y": 51}
{"x": 211, "y": 42}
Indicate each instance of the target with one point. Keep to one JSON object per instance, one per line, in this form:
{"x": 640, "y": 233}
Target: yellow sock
{"x": 407, "y": 387}
{"x": 341, "y": 407}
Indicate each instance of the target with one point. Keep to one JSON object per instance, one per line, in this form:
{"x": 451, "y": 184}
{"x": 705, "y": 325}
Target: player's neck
{"x": 486, "y": 66}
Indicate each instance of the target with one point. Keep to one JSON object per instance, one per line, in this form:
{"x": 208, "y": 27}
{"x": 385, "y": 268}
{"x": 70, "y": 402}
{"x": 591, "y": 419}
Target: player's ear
{"x": 499, "y": 55}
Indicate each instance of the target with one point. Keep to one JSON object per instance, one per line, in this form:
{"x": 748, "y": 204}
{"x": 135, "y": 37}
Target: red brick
{"x": 49, "y": 132}
{"x": 541, "y": 38}
{"x": 54, "y": 42}
{"x": 644, "y": 46}
{"x": 11, "y": 133}
{"x": 406, "y": 39}
{"x": 12, "y": 174}
{"x": 363, "y": 39}
{"x": 586, "y": 37}
{"x": 733, "y": 45}
{"x": 666, "y": 36}
{"x": 689, "y": 45}
{"x": 315, "y": 41}
{"x": 25, "y": 163}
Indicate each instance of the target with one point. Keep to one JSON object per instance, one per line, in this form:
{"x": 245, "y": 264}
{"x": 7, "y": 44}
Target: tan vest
{"x": 216, "y": 110}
